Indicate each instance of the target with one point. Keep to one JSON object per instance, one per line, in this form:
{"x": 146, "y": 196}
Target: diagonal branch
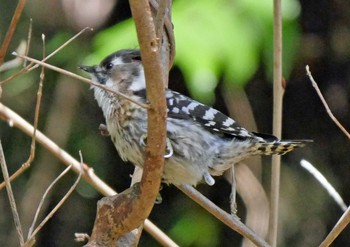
{"x": 89, "y": 176}
{"x": 10, "y": 195}
{"x": 11, "y": 30}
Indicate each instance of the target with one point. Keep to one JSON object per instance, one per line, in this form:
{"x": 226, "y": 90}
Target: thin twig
{"x": 80, "y": 78}
{"x": 10, "y": 195}
{"x": 37, "y": 107}
{"x": 89, "y": 175}
{"x": 324, "y": 182}
{"x": 11, "y": 30}
{"x": 24, "y": 167}
{"x": 335, "y": 120}
{"x": 337, "y": 229}
{"x": 64, "y": 45}
{"x": 30, "y": 66}
{"x": 61, "y": 202}
{"x": 277, "y": 120}
{"x": 345, "y": 219}
{"x": 31, "y": 157}
{"x": 31, "y": 229}
{"x": 29, "y": 39}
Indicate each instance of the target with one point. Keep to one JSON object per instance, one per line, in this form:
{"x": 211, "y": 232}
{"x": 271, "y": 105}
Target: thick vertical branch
{"x": 277, "y": 120}
{"x": 120, "y": 214}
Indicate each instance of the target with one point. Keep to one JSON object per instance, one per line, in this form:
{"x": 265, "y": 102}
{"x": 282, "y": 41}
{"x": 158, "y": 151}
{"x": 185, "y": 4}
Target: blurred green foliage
{"x": 196, "y": 228}
{"x": 215, "y": 39}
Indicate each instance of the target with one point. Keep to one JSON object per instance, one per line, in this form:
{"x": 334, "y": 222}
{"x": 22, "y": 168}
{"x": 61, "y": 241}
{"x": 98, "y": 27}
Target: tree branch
{"x": 89, "y": 176}
{"x": 11, "y": 30}
{"x": 278, "y": 91}
{"x": 120, "y": 214}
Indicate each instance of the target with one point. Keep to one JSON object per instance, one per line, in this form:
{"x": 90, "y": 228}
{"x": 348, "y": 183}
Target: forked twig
{"x": 89, "y": 175}
{"x": 31, "y": 157}
{"x": 10, "y": 196}
{"x": 335, "y": 120}
{"x": 32, "y": 233}
{"x": 345, "y": 218}
{"x": 30, "y": 66}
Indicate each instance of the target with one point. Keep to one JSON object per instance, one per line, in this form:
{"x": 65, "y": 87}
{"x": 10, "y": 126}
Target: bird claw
{"x": 208, "y": 179}
{"x": 168, "y": 150}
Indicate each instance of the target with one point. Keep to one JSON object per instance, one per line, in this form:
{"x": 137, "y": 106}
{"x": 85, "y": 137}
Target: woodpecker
{"x": 201, "y": 142}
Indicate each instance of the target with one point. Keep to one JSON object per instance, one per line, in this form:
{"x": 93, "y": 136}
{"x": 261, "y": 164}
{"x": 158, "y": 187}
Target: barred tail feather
{"x": 279, "y": 147}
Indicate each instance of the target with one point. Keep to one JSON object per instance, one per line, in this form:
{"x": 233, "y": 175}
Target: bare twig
{"x": 24, "y": 167}
{"x": 61, "y": 202}
{"x": 324, "y": 182}
{"x": 89, "y": 175}
{"x": 29, "y": 39}
{"x": 345, "y": 219}
{"x": 10, "y": 195}
{"x": 31, "y": 157}
{"x": 277, "y": 120}
{"x": 37, "y": 107}
{"x": 64, "y": 45}
{"x": 11, "y": 30}
{"x": 80, "y": 78}
{"x": 16, "y": 62}
{"x": 230, "y": 220}
{"x": 330, "y": 114}
{"x": 31, "y": 229}
{"x": 337, "y": 229}
{"x": 30, "y": 66}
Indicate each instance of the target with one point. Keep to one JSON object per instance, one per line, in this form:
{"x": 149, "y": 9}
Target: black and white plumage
{"x": 203, "y": 141}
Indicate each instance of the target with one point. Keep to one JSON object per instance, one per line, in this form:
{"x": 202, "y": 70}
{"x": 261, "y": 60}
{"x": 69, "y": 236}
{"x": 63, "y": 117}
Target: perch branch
{"x": 120, "y": 214}
{"x": 230, "y": 220}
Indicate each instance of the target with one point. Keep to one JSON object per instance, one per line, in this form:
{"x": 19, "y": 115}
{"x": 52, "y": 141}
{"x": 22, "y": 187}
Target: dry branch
{"x": 345, "y": 218}
{"x": 10, "y": 196}
{"x": 277, "y": 119}
{"x": 122, "y": 213}
{"x": 89, "y": 176}
{"x": 11, "y": 30}
{"x": 230, "y": 220}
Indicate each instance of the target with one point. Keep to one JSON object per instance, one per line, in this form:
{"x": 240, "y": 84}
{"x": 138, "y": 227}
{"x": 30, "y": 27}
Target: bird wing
{"x": 182, "y": 107}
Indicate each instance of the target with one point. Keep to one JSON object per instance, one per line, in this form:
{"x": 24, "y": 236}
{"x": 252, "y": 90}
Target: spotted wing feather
{"x": 180, "y": 106}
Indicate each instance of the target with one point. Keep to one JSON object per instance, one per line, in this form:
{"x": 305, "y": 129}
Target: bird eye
{"x": 108, "y": 66}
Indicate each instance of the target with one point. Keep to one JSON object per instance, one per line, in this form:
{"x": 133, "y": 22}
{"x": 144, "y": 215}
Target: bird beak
{"x": 89, "y": 69}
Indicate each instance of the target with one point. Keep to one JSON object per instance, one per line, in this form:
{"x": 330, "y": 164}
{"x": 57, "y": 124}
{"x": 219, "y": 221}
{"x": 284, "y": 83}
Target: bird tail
{"x": 279, "y": 147}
